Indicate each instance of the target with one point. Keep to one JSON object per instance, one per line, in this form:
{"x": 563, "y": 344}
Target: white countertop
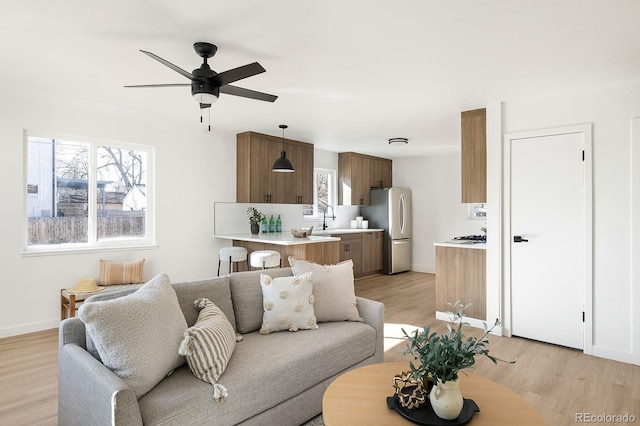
{"x": 338, "y": 231}
{"x": 462, "y": 244}
{"x": 279, "y": 238}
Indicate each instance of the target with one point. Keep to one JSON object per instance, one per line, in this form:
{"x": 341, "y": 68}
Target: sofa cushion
{"x": 215, "y": 289}
{"x": 335, "y": 296}
{"x": 121, "y": 272}
{"x": 263, "y": 372}
{"x": 246, "y": 293}
{"x": 209, "y": 344}
{"x": 288, "y": 303}
{"x": 137, "y": 336}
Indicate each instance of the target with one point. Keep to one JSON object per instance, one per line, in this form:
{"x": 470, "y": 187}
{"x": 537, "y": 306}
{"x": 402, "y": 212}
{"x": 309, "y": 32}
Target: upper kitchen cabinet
{"x": 474, "y": 156}
{"x": 357, "y": 174}
{"x": 256, "y": 183}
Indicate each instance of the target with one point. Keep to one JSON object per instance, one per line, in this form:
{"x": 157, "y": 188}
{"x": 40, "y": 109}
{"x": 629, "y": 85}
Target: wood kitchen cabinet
{"x": 256, "y": 183}
{"x": 364, "y": 249}
{"x": 460, "y": 275}
{"x": 474, "y": 156}
{"x": 371, "y": 252}
{"x": 357, "y": 174}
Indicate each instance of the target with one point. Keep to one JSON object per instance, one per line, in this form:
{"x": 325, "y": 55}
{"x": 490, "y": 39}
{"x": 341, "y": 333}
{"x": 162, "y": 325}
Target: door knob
{"x": 519, "y": 239}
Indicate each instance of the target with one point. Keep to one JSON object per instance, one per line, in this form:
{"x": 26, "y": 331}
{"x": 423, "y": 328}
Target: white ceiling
{"x": 349, "y": 74}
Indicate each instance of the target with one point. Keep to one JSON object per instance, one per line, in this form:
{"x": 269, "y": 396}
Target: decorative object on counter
{"x": 442, "y": 356}
{"x": 302, "y": 232}
{"x": 255, "y": 217}
{"x": 359, "y": 220}
{"x": 278, "y": 224}
{"x": 272, "y": 224}
{"x": 264, "y": 225}
{"x": 283, "y": 164}
{"x": 353, "y": 224}
{"x": 365, "y": 224}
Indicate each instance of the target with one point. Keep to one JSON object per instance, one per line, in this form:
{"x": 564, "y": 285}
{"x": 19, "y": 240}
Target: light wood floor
{"x": 557, "y": 381}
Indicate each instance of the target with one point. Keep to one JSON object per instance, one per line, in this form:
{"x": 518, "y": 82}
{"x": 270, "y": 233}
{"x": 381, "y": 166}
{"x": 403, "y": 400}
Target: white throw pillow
{"x": 335, "y": 296}
{"x": 137, "y": 336}
{"x": 288, "y": 303}
{"x": 208, "y": 345}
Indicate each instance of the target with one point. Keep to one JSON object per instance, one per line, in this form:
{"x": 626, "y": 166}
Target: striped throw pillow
{"x": 122, "y": 272}
{"x": 208, "y": 345}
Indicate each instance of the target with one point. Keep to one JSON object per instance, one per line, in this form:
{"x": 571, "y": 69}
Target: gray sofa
{"x": 272, "y": 379}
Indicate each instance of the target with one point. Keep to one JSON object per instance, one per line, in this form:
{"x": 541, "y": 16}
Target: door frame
{"x": 586, "y": 131}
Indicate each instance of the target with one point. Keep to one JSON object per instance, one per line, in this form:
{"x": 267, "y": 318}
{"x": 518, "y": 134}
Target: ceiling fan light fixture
{"x": 398, "y": 141}
{"x": 205, "y": 98}
{"x": 282, "y": 164}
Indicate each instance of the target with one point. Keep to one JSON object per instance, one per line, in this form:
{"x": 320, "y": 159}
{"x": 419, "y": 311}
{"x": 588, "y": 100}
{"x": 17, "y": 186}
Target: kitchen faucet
{"x": 324, "y": 216}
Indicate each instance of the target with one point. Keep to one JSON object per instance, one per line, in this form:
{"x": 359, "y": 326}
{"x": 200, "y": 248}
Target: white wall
{"x": 610, "y": 109}
{"x": 194, "y": 168}
{"x": 438, "y": 214}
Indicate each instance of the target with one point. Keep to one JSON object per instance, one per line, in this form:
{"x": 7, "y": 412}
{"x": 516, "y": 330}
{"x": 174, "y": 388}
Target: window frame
{"x": 93, "y": 244}
{"x": 317, "y": 215}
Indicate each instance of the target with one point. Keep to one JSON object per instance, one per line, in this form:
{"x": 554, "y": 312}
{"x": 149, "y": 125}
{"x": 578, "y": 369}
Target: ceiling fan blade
{"x": 160, "y": 85}
{"x": 239, "y": 73}
{"x": 246, "y": 93}
{"x": 169, "y": 64}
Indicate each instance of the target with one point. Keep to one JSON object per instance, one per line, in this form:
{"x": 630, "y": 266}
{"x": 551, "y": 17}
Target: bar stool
{"x": 265, "y": 259}
{"x": 232, "y": 255}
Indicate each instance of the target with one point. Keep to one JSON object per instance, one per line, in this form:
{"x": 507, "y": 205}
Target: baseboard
{"x": 429, "y": 269}
{"x": 613, "y": 354}
{"x": 28, "y": 328}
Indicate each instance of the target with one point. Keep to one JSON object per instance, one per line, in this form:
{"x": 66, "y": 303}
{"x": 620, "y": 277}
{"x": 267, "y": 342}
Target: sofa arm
{"x": 372, "y": 312}
{"x": 90, "y": 394}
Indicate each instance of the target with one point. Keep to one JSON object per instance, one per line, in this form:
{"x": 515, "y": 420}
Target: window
{"x": 478, "y": 211}
{"x": 87, "y": 194}
{"x": 324, "y": 190}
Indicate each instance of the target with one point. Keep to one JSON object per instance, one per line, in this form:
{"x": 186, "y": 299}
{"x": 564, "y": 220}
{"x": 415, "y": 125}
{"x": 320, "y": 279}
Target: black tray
{"x": 424, "y": 415}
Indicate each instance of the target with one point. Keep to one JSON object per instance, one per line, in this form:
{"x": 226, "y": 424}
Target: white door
{"x": 548, "y": 238}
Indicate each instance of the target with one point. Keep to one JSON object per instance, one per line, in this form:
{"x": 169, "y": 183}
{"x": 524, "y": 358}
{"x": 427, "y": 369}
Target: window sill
{"x": 53, "y": 251}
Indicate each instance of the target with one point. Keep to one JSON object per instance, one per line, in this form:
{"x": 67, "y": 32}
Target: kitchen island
{"x": 321, "y": 249}
{"x": 460, "y": 275}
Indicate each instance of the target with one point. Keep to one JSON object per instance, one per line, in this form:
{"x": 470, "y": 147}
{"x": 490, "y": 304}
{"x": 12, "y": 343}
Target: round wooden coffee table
{"x": 359, "y": 397}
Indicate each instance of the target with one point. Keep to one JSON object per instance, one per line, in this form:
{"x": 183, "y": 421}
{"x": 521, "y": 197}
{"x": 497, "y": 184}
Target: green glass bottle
{"x": 272, "y": 224}
{"x": 278, "y": 224}
{"x": 264, "y": 225}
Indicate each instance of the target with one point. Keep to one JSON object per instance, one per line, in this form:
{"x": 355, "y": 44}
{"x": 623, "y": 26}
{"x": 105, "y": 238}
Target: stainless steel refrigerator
{"x": 390, "y": 210}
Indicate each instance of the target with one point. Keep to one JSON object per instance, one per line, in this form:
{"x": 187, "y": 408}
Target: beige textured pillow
{"x": 122, "y": 272}
{"x": 138, "y": 335}
{"x": 335, "y": 297}
{"x": 288, "y": 303}
{"x": 208, "y": 345}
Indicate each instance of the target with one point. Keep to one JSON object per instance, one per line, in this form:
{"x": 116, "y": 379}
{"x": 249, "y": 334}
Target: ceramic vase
{"x": 255, "y": 228}
{"x": 446, "y": 399}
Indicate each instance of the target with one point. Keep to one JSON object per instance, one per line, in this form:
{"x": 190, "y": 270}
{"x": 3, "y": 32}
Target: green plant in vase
{"x": 440, "y": 357}
{"x": 255, "y": 217}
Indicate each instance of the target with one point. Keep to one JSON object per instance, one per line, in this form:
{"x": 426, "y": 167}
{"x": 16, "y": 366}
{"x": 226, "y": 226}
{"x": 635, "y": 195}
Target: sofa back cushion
{"x": 215, "y": 289}
{"x": 246, "y": 294}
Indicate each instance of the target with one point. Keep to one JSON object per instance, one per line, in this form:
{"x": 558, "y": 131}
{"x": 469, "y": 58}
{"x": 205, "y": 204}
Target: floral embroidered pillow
{"x": 288, "y": 303}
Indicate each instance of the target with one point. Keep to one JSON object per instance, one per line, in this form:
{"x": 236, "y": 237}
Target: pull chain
{"x": 209, "y": 118}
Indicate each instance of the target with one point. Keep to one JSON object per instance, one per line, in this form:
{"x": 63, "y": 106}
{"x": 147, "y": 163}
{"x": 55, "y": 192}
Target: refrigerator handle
{"x": 402, "y": 213}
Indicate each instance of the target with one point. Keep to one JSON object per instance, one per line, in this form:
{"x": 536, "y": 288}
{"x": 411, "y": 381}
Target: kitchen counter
{"x": 279, "y": 238}
{"x": 338, "y": 231}
{"x": 462, "y": 244}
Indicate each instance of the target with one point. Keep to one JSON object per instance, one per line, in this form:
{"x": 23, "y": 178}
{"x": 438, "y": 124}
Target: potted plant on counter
{"x": 255, "y": 217}
{"x": 442, "y": 356}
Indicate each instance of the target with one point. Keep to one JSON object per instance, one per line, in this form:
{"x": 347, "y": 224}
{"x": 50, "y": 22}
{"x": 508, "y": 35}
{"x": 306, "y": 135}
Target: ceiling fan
{"x": 206, "y": 84}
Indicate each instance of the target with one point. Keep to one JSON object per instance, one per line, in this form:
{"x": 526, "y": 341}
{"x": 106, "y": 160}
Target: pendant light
{"x": 282, "y": 164}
